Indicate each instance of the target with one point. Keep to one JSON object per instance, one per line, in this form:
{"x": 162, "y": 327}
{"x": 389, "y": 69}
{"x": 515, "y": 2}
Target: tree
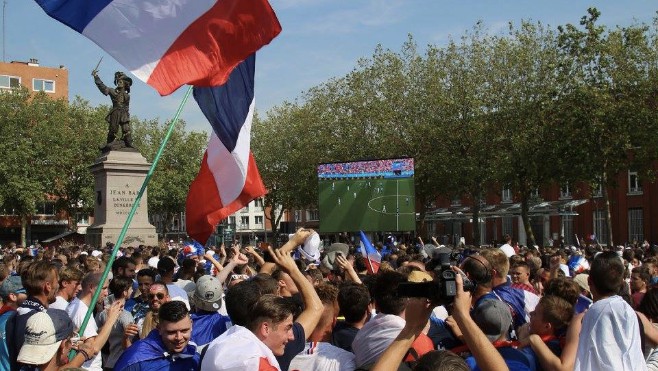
{"x": 177, "y": 167}
{"x": 609, "y": 105}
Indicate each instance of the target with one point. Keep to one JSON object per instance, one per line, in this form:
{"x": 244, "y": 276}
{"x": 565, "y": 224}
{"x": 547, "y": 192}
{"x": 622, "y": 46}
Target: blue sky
{"x": 321, "y": 39}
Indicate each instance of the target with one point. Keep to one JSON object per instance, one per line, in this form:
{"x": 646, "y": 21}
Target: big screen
{"x": 375, "y": 195}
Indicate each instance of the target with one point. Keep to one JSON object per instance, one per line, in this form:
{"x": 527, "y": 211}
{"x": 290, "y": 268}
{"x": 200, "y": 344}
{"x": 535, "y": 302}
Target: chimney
{"x": 33, "y": 62}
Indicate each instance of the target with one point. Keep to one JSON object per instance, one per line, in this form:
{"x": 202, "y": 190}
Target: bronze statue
{"x": 118, "y": 115}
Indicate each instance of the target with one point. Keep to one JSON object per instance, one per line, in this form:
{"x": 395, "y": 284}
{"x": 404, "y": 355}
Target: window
{"x": 600, "y": 227}
{"x": 634, "y": 185}
{"x": 565, "y": 191}
{"x": 456, "y": 202}
{"x": 46, "y": 208}
{"x": 9, "y": 82}
{"x": 258, "y": 202}
{"x": 508, "y": 225}
{"x": 635, "y": 227}
{"x": 259, "y": 221}
{"x": 567, "y": 229}
{"x": 312, "y": 215}
{"x": 175, "y": 225}
{"x": 82, "y": 218}
{"x": 244, "y": 221}
{"x": 43, "y": 85}
{"x": 507, "y": 194}
{"x": 534, "y": 194}
{"x": 231, "y": 221}
{"x": 298, "y": 216}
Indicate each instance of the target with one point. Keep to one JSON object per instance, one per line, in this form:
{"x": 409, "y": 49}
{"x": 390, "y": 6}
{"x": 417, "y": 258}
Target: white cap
{"x": 44, "y": 333}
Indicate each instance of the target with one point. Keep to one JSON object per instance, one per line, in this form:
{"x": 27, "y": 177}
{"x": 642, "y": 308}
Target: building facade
{"x": 54, "y": 81}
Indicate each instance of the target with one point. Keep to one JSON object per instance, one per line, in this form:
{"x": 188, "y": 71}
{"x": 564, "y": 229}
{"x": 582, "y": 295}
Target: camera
{"x": 443, "y": 289}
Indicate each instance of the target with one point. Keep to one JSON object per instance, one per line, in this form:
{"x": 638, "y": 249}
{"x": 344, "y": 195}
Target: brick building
{"x": 52, "y": 80}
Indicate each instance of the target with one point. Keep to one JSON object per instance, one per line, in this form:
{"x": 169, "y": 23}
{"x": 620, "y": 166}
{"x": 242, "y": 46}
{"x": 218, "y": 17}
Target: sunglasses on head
{"x": 159, "y": 295}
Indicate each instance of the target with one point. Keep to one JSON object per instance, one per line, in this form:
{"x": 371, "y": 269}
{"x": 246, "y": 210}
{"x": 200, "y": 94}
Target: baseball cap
{"x": 419, "y": 276}
{"x": 494, "y": 318}
{"x": 208, "y": 294}
{"x": 331, "y": 252}
{"x": 44, "y": 333}
{"x": 12, "y": 285}
{"x": 581, "y": 280}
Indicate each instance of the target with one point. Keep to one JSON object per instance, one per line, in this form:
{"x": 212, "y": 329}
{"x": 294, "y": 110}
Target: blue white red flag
{"x": 371, "y": 256}
{"x": 228, "y": 179}
{"x": 169, "y": 43}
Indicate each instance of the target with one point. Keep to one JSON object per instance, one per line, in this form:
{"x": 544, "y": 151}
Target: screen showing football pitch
{"x": 370, "y": 196}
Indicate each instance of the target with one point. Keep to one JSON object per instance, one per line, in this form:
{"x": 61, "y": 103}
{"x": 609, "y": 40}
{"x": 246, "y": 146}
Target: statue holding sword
{"x": 118, "y": 115}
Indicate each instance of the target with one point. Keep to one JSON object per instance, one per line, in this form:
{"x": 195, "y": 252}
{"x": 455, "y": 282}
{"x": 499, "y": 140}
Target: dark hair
{"x": 644, "y": 274}
{"x": 118, "y": 285}
{"x": 649, "y": 304}
{"x": 239, "y": 301}
{"x": 266, "y": 283}
{"x": 353, "y": 300}
{"x": 479, "y": 270}
{"x": 166, "y": 265}
{"x": 564, "y": 288}
{"x": 173, "y": 311}
{"x": 122, "y": 263}
{"x": 146, "y": 272}
{"x": 441, "y": 360}
{"x": 607, "y": 273}
{"x": 386, "y": 299}
{"x": 270, "y": 308}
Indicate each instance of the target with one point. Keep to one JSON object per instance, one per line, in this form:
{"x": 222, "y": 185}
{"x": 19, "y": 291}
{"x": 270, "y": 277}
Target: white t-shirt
{"x": 77, "y": 311}
{"x": 508, "y": 250}
{"x": 237, "y": 349}
{"x": 374, "y": 337}
{"x": 531, "y": 300}
{"x": 323, "y": 356}
{"x": 60, "y": 303}
{"x": 610, "y": 338}
{"x": 153, "y": 262}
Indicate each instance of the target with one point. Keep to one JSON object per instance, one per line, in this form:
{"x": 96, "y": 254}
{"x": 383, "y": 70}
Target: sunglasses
{"x": 159, "y": 295}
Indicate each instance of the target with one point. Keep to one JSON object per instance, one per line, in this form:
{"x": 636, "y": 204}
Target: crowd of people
{"x": 366, "y": 167}
{"x": 428, "y": 307}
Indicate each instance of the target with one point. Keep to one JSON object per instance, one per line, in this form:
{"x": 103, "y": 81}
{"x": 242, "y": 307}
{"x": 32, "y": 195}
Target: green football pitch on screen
{"x": 377, "y": 204}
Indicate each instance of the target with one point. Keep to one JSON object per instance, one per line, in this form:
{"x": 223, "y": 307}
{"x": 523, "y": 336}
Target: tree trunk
{"x": 525, "y": 207}
{"x": 608, "y": 213}
{"x": 476, "y": 219}
{"x": 24, "y": 220}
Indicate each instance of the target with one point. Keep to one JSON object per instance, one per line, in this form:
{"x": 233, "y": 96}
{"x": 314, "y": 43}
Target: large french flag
{"x": 371, "y": 256}
{"x": 169, "y": 43}
{"x": 228, "y": 179}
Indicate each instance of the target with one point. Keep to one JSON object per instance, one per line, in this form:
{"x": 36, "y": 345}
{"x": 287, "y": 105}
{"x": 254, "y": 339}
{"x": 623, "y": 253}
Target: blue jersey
{"x": 149, "y": 354}
{"x": 206, "y": 326}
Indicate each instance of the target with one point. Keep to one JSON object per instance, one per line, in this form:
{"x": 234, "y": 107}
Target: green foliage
{"x": 530, "y": 108}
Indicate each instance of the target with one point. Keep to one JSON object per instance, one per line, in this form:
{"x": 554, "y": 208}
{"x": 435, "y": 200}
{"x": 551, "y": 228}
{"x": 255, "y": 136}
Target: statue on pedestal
{"x": 118, "y": 115}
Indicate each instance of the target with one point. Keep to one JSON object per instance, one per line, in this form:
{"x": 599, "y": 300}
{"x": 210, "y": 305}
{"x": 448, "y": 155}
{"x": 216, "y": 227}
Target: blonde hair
{"x": 498, "y": 260}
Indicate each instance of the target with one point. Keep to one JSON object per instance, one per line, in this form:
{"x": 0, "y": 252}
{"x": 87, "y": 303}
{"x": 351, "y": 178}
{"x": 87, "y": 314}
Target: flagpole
{"x": 124, "y": 230}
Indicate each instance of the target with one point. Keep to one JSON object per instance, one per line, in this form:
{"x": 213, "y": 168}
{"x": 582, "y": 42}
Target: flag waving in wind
{"x": 228, "y": 179}
{"x": 169, "y": 43}
{"x": 371, "y": 256}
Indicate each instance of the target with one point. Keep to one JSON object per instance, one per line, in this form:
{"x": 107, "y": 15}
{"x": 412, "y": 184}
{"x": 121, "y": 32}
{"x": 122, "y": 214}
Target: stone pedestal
{"x": 118, "y": 177}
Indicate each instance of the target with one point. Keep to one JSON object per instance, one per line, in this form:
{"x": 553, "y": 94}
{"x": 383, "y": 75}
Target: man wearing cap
{"x": 167, "y": 347}
{"x": 41, "y": 282}
{"x": 207, "y": 300}
{"x": 13, "y": 294}
{"x": 48, "y": 342}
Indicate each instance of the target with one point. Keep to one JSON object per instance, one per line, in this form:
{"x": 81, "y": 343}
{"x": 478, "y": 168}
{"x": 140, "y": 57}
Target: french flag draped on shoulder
{"x": 370, "y": 254}
{"x": 228, "y": 179}
{"x": 169, "y": 43}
